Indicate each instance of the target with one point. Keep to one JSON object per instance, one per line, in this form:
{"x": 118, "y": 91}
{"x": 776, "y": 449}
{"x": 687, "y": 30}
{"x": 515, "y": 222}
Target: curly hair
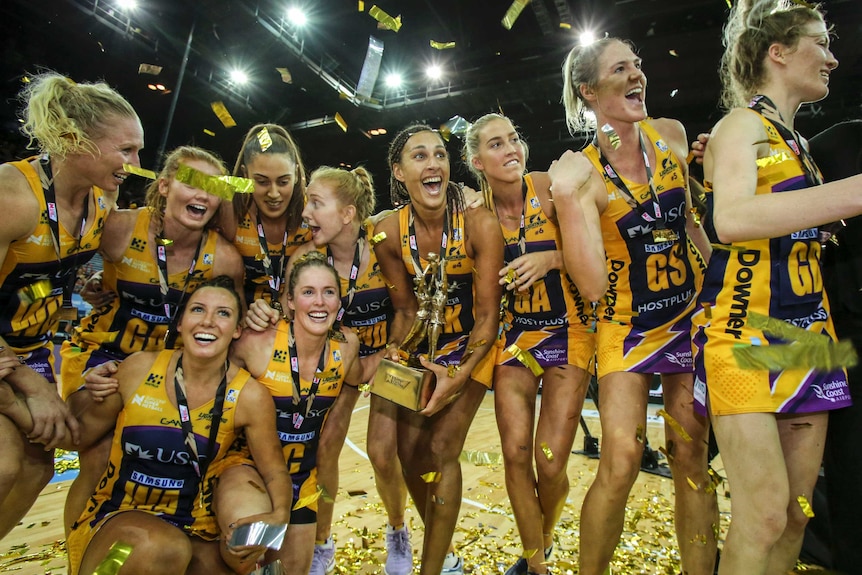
{"x": 753, "y": 26}
{"x": 63, "y": 117}
{"x": 397, "y": 190}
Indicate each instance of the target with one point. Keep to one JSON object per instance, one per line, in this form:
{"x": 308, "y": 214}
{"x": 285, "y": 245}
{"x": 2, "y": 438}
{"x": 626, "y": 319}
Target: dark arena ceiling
{"x": 490, "y": 68}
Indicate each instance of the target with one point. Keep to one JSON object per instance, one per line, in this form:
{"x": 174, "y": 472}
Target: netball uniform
{"x": 137, "y": 319}
{"x": 775, "y": 277}
{"x": 458, "y": 320}
{"x": 551, "y": 320}
{"x": 369, "y": 311}
{"x": 299, "y": 425}
{"x": 150, "y": 467}
{"x": 28, "y": 327}
{"x": 644, "y": 320}
{"x": 247, "y": 242}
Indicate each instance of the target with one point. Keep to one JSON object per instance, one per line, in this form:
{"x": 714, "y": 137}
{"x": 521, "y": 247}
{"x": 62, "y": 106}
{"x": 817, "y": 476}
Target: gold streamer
{"x": 386, "y": 21}
{"x": 35, "y": 291}
{"x": 361, "y": 6}
{"x": 612, "y": 135}
{"x": 772, "y": 160}
{"x": 727, "y": 247}
{"x": 707, "y": 311}
{"x": 324, "y": 494}
{"x": 782, "y": 329}
{"x": 692, "y": 484}
{"x": 806, "y": 507}
{"x": 209, "y": 132}
{"x": 674, "y": 424}
{"x": 308, "y": 499}
{"x": 264, "y": 139}
{"x": 513, "y": 12}
{"x": 222, "y": 114}
{"x": 376, "y": 238}
{"x": 113, "y": 561}
{"x": 149, "y": 174}
{"x": 565, "y": 26}
{"x": 481, "y": 457}
{"x": 546, "y": 449}
{"x": 526, "y": 358}
{"x": 285, "y": 75}
{"x": 639, "y": 433}
{"x": 222, "y": 186}
{"x": 442, "y": 45}
{"x": 432, "y": 477}
{"x": 528, "y": 553}
{"x": 342, "y": 123}
{"x": 796, "y": 356}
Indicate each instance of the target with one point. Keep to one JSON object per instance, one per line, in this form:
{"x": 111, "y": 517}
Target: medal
{"x": 664, "y": 235}
{"x": 67, "y": 313}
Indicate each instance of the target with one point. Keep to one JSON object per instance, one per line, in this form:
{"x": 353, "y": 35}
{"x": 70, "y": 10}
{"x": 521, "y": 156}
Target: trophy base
{"x": 406, "y": 386}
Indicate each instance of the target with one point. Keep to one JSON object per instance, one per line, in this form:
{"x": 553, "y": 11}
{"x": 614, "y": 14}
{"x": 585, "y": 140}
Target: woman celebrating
{"x": 267, "y": 227}
{"x": 544, "y": 317}
{"x": 175, "y": 418}
{"x": 304, "y": 364}
{"x": 170, "y": 241}
{"x": 640, "y": 202}
{"x": 56, "y": 206}
{"x": 469, "y": 247}
{"x": 770, "y": 416}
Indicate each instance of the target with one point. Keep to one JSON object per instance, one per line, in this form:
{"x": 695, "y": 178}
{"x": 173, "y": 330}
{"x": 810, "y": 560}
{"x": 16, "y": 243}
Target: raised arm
{"x": 736, "y": 143}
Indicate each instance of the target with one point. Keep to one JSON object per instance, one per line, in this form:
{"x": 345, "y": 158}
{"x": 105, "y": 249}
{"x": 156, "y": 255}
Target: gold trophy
{"x": 406, "y": 382}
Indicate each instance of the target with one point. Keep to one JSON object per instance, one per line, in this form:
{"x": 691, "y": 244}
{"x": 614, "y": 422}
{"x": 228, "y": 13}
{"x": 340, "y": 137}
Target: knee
{"x": 167, "y": 547}
{"x": 445, "y": 448}
{"x": 620, "y": 467}
{"x": 551, "y": 471}
{"x": 518, "y": 455}
{"x": 687, "y": 458}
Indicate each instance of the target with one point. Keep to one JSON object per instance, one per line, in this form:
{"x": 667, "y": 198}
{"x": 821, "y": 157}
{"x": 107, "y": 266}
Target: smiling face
{"x": 810, "y": 62}
{"x": 118, "y": 141}
{"x": 324, "y": 213}
{"x": 315, "y": 299}
{"x": 423, "y": 168}
{"x": 274, "y": 177}
{"x": 191, "y": 207}
{"x": 501, "y": 153}
{"x": 210, "y": 322}
{"x": 620, "y": 92}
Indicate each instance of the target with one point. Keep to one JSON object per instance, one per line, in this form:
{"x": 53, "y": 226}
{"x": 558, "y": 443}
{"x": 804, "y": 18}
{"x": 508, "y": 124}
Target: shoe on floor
{"x": 399, "y": 552}
{"x": 453, "y": 565}
{"x": 323, "y": 560}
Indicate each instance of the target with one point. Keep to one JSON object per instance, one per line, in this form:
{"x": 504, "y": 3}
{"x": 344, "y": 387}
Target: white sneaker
{"x": 457, "y": 565}
{"x": 399, "y": 552}
{"x": 323, "y": 560}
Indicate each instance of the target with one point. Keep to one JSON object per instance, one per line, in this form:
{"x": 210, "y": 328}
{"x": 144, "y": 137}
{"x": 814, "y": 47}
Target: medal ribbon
{"x": 275, "y": 280}
{"x": 414, "y": 246}
{"x": 354, "y": 271}
{"x": 172, "y": 309}
{"x": 298, "y": 400}
{"x": 186, "y": 424}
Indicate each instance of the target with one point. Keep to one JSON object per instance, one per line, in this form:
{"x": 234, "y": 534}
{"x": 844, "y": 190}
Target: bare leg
{"x": 802, "y": 439}
{"x": 297, "y": 550}
{"x": 207, "y": 559}
{"x": 331, "y": 441}
{"x": 25, "y": 469}
{"x": 382, "y": 443}
{"x": 158, "y": 548}
{"x": 623, "y": 399}
{"x": 563, "y": 392}
{"x": 240, "y": 492}
{"x": 750, "y": 446}
{"x": 438, "y": 450}
{"x": 695, "y": 511}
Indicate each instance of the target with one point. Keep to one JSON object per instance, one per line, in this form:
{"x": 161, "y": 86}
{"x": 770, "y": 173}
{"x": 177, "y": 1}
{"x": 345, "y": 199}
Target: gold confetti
{"x": 674, "y": 424}
{"x": 264, "y": 139}
{"x": 432, "y": 477}
{"x": 364, "y": 387}
{"x": 222, "y": 114}
{"x": 35, "y": 291}
{"x": 113, "y": 561}
{"x": 526, "y": 358}
{"x": 151, "y": 69}
{"x": 546, "y": 449}
{"x": 612, "y": 135}
{"x": 727, "y": 247}
{"x": 209, "y": 132}
{"x": 528, "y": 553}
{"x": 222, "y": 186}
{"x": 481, "y": 457}
{"x": 692, "y": 484}
{"x": 513, "y": 12}
{"x": 707, "y": 311}
{"x": 442, "y": 45}
{"x": 454, "y": 126}
{"x": 324, "y": 494}
{"x": 164, "y": 241}
{"x": 806, "y": 507}
{"x": 361, "y": 6}
{"x": 633, "y": 522}
{"x": 377, "y": 238}
{"x": 342, "y": 123}
{"x": 698, "y": 539}
{"x": 285, "y": 75}
{"x": 149, "y": 174}
{"x": 511, "y": 276}
{"x": 452, "y": 369}
{"x": 639, "y": 433}
{"x": 256, "y": 486}
{"x": 565, "y": 26}
{"x": 307, "y": 500}
{"x": 385, "y": 21}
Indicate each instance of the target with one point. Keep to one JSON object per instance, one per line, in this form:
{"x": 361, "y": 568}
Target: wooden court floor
{"x": 486, "y": 537}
